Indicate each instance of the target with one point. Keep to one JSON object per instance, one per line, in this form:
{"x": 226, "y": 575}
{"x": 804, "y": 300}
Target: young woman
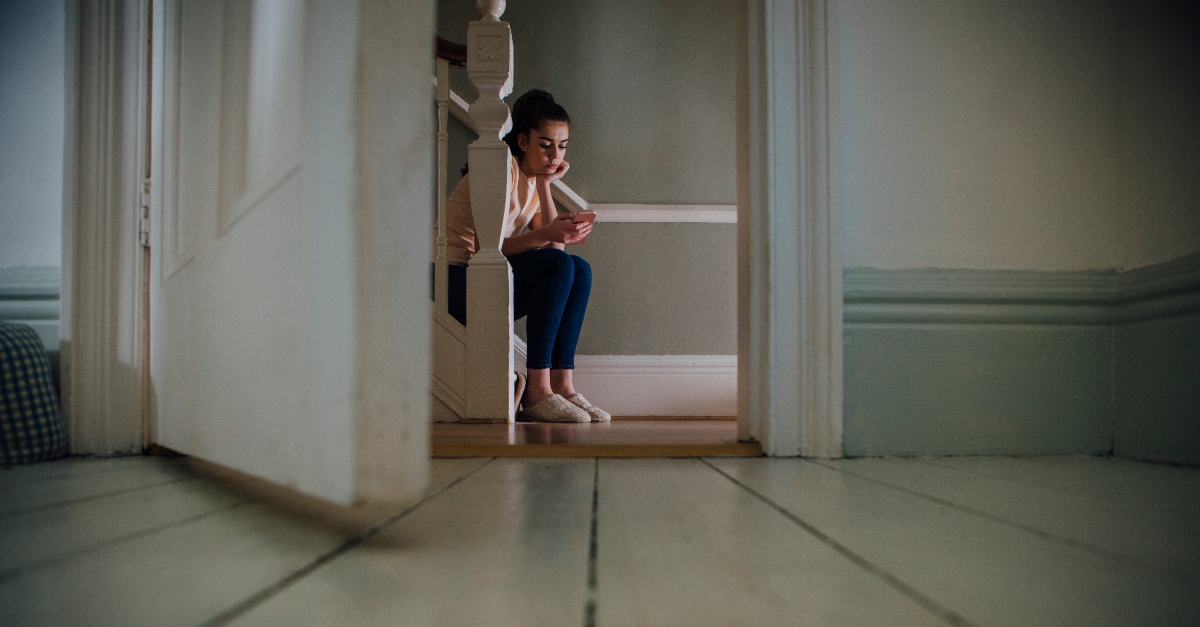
{"x": 549, "y": 285}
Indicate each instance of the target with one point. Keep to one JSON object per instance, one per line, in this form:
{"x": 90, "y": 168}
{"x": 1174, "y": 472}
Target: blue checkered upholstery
{"x": 31, "y": 428}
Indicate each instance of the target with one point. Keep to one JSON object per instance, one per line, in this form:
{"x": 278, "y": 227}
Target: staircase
{"x": 473, "y": 367}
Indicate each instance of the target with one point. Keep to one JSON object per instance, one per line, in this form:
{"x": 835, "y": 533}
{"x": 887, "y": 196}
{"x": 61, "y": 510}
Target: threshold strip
{"x": 245, "y": 606}
{"x": 741, "y": 449}
{"x": 1098, "y": 551}
{"x": 946, "y": 614}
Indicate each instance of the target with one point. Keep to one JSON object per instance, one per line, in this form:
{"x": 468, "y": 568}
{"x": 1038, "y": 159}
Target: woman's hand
{"x": 556, "y": 174}
{"x": 564, "y": 230}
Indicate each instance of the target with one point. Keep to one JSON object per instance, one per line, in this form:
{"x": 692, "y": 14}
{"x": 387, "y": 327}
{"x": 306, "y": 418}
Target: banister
{"x": 456, "y": 54}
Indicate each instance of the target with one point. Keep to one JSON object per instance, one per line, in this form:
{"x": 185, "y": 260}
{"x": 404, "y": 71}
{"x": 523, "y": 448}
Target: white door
{"x": 292, "y": 167}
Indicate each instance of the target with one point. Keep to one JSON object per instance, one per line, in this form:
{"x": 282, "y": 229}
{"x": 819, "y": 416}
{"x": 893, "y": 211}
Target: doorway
{"x": 659, "y": 344}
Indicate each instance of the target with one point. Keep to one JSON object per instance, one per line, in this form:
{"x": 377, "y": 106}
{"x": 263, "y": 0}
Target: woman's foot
{"x": 596, "y": 414}
{"x": 553, "y": 408}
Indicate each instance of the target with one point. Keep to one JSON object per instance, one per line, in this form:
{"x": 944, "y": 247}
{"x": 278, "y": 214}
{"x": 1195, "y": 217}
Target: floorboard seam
{"x": 93, "y": 497}
{"x": 24, "y": 569}
{"x": 224, "y": 618}
{"x": 1030, "y": 529}
{"x": 946, "y": 614}
{"x": 589, "y": 610}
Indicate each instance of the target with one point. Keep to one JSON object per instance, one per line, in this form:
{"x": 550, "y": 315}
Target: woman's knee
{"x": 556, "y": 262}
{"x": 583, "y": 270}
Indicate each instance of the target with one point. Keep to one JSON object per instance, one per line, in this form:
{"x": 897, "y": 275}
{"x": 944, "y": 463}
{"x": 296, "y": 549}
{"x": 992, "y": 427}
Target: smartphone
{"x": 585, "y": 216}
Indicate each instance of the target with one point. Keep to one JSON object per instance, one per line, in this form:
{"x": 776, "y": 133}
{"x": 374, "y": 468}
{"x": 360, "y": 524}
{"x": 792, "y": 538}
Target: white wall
{"x": 976, "y": 133}
{"x": 32, "y": 92}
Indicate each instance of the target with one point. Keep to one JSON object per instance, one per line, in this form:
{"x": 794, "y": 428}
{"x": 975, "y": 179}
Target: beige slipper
{"x": 554, "y": 408}
{"x": 597, "y": 414}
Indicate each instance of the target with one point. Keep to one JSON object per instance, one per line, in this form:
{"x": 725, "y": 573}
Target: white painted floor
{"x": 959, "y": 541}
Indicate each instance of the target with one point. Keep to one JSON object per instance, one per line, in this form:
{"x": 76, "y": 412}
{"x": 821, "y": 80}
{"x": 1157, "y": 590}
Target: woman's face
{"x": 545, "y": 147}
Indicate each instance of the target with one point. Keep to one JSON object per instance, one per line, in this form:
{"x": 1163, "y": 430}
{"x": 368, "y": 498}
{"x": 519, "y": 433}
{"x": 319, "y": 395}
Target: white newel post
{"x": 489, "y": 279}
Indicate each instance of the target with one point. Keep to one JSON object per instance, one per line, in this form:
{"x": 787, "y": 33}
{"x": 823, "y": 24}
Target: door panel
{"x": 259, "y": 281}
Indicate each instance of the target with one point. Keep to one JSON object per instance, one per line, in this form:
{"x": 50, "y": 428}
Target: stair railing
{"x": 489, "y": 340}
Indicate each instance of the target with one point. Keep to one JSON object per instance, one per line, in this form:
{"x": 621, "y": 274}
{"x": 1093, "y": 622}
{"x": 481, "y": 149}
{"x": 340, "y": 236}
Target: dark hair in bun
{"x": 534, "y": 108}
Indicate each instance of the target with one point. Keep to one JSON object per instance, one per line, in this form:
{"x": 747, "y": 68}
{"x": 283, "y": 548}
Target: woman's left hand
{"x": 557, "y": 173}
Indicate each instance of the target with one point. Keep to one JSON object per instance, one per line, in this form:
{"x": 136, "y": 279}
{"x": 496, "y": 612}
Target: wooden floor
{"x": 612, "y": 542}
{"x": 619, "y": 438}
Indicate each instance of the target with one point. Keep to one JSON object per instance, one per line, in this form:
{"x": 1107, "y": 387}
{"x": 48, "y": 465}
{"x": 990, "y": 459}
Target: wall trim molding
{"x": 696, "y": 214}
{"x": 31, "y": 295}
{"x": 1084, "y": 297}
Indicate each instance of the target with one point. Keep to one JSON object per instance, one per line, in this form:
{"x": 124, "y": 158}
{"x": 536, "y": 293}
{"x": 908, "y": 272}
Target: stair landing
{"x": 623, "y": 437}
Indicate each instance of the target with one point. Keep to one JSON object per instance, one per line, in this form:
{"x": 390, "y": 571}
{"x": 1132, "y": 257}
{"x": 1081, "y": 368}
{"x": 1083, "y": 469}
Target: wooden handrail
{"x": 456, "y": 54}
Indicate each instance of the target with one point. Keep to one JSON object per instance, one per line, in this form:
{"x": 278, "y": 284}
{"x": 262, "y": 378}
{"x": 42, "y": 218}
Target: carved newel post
{"x": 489, "y": 278}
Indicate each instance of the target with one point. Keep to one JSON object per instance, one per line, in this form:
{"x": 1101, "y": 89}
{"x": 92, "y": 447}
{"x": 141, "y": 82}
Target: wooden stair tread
{"x": 620, "y": 438}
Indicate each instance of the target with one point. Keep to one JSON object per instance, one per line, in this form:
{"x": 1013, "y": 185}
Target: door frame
{"x": 789, "y": 266}
{"x": 789, "y": 263}
{"x": 105, "y": 324}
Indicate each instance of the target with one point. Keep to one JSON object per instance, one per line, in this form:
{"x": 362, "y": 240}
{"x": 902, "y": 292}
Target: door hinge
{"x": 144, "y": 214}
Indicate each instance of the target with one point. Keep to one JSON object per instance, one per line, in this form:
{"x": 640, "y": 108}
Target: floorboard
{"x": 507, "y": 546}
{"x": 57, "y": 491}
{"x": 65, "y": 467}
{"x": 1115, "y": 529}
{"x": 1125, "y": 482}
{"x": 985, "y": 571}
{"x": 678, "y": 544}
{"x": 958, "y": 541}
{"x": 45, "y": 536}
{"x": 188, "y": 574}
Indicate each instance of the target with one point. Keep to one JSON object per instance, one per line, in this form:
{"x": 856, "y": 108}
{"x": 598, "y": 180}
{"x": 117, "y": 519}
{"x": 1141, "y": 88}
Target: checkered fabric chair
{"x": 31, "y": 428}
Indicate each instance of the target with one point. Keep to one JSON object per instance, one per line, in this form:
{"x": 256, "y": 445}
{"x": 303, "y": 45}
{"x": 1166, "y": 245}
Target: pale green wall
{"x": 650, "y": 90}
{"x": 649, "y": 86}
{"x": 1158, "y": 390}
{"x": 977, "y": 389}
{"x": 661, "y": 289}
{"x": 32, "y": 121}
{"x": 1039, "y": 135}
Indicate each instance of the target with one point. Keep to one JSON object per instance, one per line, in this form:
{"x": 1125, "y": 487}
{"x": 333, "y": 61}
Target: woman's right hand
{"x": 564, "y": 230}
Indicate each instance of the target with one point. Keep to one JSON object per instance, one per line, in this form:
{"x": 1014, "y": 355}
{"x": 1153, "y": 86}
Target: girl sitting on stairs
{"x": 549, "y": 285}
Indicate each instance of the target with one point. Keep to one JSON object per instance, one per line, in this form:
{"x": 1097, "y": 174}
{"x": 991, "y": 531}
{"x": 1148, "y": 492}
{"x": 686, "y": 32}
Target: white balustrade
{"x": 441, "y": 271}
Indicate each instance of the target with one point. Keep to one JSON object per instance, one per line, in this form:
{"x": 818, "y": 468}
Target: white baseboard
{"x": 654, "y": 385}
{"x": 659, "y": 385}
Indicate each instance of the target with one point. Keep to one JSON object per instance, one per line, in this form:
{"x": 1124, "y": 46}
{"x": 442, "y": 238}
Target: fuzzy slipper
{"x": 519, "y": 390}
{"x": 597, "y": 414}
{"x": 554, "y": 408}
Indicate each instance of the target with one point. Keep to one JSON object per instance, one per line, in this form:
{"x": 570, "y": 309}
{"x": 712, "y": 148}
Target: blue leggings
{"x": 549, "y": 286}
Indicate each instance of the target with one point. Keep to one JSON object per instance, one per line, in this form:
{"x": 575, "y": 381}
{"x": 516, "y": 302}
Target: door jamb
{"x": 104, "y": 316}
{"x": 789, "y": 266}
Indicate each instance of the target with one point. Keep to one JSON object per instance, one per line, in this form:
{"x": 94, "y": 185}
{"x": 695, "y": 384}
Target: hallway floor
{"x": 720, "y": 541}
